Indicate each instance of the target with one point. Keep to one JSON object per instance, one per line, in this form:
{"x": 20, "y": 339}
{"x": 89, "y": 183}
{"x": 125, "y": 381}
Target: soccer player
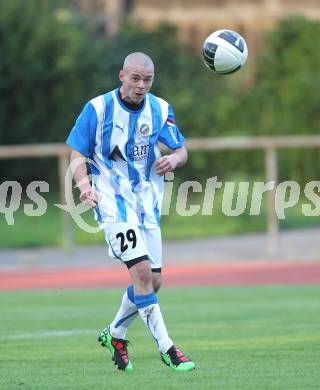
{"x": 119, "y": 132}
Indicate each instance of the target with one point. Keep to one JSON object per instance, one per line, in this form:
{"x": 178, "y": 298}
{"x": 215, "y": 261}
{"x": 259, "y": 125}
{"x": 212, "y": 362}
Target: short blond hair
{"x": 138, "y": 58}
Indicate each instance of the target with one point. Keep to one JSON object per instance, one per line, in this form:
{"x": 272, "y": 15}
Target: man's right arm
{"x": 80, "y": 175}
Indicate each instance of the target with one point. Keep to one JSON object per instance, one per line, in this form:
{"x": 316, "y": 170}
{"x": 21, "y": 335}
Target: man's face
{"x": 136, "y": 83}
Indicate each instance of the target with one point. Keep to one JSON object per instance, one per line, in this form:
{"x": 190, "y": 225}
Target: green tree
{"x": 51, "y": 62}
{"x": 284, "y": 96}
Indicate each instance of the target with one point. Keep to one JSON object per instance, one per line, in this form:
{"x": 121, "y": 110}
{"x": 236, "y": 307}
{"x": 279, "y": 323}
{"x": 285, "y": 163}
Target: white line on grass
{"x": 47, "y": 333}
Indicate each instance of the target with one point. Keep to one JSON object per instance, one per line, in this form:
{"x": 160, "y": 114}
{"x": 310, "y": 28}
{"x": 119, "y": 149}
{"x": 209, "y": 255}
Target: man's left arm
{"x": 170, "y": 162}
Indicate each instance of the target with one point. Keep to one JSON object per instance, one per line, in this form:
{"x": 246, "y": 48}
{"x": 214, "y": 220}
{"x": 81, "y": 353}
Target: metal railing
{"x": 270, "y": 145}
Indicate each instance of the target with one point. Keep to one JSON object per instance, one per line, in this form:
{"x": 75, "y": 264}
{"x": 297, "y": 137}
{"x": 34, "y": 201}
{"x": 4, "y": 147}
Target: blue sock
{"x": 142, "y": 301}
{"x": 130, "y": 293}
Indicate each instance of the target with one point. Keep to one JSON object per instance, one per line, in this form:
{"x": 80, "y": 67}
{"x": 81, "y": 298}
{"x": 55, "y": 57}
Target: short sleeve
{"x": 170, "y": 134}
{"x": 83, "y": 134}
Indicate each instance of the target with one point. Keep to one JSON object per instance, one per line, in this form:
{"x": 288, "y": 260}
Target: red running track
{"x": 194, "y": 274}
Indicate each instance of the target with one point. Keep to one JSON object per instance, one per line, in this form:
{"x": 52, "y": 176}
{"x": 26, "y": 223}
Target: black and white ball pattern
{"x": 225, "y": 51}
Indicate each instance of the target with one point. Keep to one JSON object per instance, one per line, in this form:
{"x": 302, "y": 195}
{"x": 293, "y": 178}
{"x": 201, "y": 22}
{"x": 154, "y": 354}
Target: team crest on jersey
{"x": 145, "y": 129}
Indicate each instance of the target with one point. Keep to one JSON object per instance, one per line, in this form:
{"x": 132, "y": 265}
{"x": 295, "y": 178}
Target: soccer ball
{"x": 225, "y": 51}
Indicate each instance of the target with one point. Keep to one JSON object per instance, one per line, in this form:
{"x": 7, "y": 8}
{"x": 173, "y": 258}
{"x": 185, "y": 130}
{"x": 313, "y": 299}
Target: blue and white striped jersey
{"x": 123, "y": 147}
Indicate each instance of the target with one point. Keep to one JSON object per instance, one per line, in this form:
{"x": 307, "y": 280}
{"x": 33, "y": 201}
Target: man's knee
{"x": 144, "y": 276}
{"x": 141, "y": 273}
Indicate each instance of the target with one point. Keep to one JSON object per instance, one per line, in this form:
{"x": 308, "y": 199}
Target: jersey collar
{"x": 117, "y": 93}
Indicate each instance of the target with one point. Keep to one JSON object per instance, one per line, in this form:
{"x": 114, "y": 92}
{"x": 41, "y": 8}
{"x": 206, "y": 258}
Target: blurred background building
{"x": 196, "y": 19}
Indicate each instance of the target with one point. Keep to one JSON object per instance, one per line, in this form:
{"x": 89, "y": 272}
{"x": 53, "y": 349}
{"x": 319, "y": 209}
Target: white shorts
{"x": 128, "y": 242}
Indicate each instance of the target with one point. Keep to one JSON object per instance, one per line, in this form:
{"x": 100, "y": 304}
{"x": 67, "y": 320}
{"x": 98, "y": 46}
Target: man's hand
{"x": 89, "y": 196}
{"x": 166, "y": 164}
{"x": 171, "y": 161}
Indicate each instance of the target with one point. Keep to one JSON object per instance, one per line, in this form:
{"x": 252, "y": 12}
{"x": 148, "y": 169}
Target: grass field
{"x": 241, "y": 338}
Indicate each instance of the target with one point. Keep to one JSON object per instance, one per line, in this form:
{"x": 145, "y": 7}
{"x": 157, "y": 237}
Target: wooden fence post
{"x": 67, "y": 231}
{"x": 272, "y": 218}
